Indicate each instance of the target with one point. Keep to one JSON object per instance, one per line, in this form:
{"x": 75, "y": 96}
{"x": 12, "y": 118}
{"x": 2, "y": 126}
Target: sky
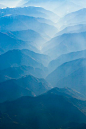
{"x": 14, "y": 3}
{"x": 10, "y": 3}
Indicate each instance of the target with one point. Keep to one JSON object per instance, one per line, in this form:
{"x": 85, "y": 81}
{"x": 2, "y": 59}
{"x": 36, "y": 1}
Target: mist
{"x": 42, "y": 64}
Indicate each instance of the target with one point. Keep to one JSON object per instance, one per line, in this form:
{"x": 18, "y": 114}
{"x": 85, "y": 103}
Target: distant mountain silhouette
{"x": 29, "y": 36}
{"x": 65, "y": 43}
{"x": 43, "y": 64}
{"x": 15, "y": 58}
{"x": 73, "y": 29}
{"x": 67, "y": 92}
{"x": 74, "y": 18}
{"x": 75, "y": 80}
{"x": 17, "y": 72}
{"x": 8, "y": 42}
{"x": 64, "y": 70}
{"x": 29, "y": 11}
{"x": 66, "y": 58}
{"x": 45, "y": 111}
{"x": 22, "y": 22}
{"x": 60, "y": 7}
{"x": 9, "y": 90}
{"x": 25, "y": 86}
{"x": 41, "y": 58}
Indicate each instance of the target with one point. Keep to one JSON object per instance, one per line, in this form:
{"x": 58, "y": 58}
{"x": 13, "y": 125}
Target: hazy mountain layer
{"x": 64, "y": 70}
{"x": 22, "y": 22}
{"x": 17, "y": 72}
{"x": 43, "y": 39}
{"x": 75, "y": 80}
{"x": 73, "y": 29}
{"x": 66, "y": 58}
{"x": 74, "y": 18}
{"x": 15, "y": 58}
{"x": 46, "y": 111}
{"x": 9, "y": 42}
{"x": 29, "y": 37}
{"x": 25, "y": 86}
{"x": 65, "y": 43}
{"x": 29, "y": 11}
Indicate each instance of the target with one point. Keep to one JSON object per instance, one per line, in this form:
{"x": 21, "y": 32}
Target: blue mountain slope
{"x": 45, "y": 111}
{"x": 75, "y": 80}
{"x": 17, "y": 72}
{"x": 65, "y": 43}
{"x": 60, "y": 7}
{"x": 29, "y": 36}
{"x": 25, "y": 86}
{"x": 73, "y": 29}
{"x": 67, "y": 92}
{"x": 10, "y": 91}
{"x": 22, "y": 22}
{"x": 41, "y": 58}
{"x": 74, "y": 18}
{"x": 9, "y": 42}
{"x": 15, "y": 58}
{"x": 66, "y": 58}
{"x": 29, "y": 11}
{"x": 64, "y": 70}
{"x": 43, "y": 64}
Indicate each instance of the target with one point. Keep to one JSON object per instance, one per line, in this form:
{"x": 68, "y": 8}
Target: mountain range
{"x": 30, "y": 11}
{"x": 22, "y": 22}
{"x": 17, "y": 72}
{"x": 14, "y": 58}
{"x": 73, "y": 29}
{"x": 74, "y": 18}
{"x": 61, "y": 8}
{"x": 43, "y": 64}
{"x": 25, "y": 86}
{"x": 65, "y": 43}
{"x": 49, "y": 110}
{"x": 64, "y": 70}
{"x": 75, "y": 80}
{"x": 66, "y": 58}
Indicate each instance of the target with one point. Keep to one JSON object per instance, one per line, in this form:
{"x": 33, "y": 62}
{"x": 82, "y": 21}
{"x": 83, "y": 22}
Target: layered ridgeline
{"x": 74, "y": 70}
{"x": 32, "y": 25}
{"x": 65, "y": 43}
{"x": 37, "y": 12}
{"x": 55, "y": 109}
{"x": 25, "y": 86}
{"x": 43, "y": 64}
{"x": 19, "y": 71}
{"x": 66, "y": 58}
{"x": 24, "y": 22}
{"x": 74, "y": 18}
{"x": 61, "y": 8}
{"x": 26, "y": 57}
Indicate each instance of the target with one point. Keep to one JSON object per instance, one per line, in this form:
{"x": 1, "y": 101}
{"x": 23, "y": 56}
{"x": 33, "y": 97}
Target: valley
{"x": 43, "y": 64}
